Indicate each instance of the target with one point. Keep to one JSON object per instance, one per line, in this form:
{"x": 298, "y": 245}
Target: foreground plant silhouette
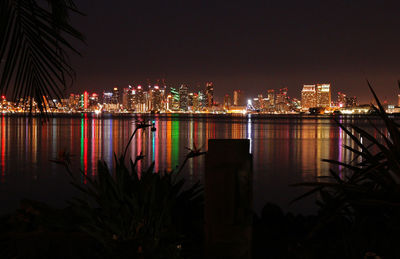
{"x": 155, "y": 215}
{"x": 36, "y": 38}
{"x": 360, "y": 206}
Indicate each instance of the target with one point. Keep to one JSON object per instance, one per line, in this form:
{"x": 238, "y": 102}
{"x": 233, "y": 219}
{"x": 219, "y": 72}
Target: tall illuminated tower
{"x": 183, "y": 98}
{"x": 323, "y": 95}
{"x": 115, "y": 96}
{"x": 210, "y": 94}
{"x": 175, "y": 99}
{"x": 308, "y": 97}
{"x": 238, "y": 99}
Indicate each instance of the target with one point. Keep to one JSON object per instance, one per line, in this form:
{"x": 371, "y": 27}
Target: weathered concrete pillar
{"x": 228, "y": 199}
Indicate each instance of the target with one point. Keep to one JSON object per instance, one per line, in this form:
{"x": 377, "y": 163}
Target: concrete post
{"x": 228, "y": 199}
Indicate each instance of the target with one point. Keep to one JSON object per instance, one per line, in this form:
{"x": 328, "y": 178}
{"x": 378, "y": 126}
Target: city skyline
{"x": 240, "y": 45}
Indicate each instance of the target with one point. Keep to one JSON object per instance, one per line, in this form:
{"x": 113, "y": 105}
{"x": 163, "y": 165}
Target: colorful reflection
{"x": 284, "y": 151}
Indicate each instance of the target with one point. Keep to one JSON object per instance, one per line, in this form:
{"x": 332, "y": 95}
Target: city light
{"x": 315, "y": 99}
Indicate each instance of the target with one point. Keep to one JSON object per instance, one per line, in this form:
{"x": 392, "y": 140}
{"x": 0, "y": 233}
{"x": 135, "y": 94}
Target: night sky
{"x": 253, "y": 46}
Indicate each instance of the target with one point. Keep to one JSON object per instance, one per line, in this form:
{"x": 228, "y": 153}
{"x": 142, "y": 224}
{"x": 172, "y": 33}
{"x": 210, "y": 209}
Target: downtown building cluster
{"x": 315, "y": 99}
{"x": 148, "y": 99}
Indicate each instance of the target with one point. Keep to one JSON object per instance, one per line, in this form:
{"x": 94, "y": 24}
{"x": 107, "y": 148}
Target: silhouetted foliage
{"x": 360, "y": 206}
{"x": 151, "y": 214}
{"x": 34, "y": 47}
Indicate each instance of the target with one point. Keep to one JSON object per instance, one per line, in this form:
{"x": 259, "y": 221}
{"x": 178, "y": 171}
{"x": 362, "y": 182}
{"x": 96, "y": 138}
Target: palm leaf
{"x": 34, "y": 49}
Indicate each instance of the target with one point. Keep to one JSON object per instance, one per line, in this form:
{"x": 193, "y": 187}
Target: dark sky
{"x": 253, "y": 46}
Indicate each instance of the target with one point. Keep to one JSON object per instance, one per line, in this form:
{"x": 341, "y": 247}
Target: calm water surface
{"x": 285, "y": 150}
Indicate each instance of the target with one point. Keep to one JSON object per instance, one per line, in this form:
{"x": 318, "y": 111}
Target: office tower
{"x": 323, "y": 95}
{"x": 209, "y": 94}
{"x": 271, "y": 98}
{"x": 183, "y": 98}
{"x": 140, "y": 99}
{"x": 227, "y": 102}
{"x": 125, "y": 94}
{"x": 85, "y": 100}
{"x": 156, "y": 98}
{"x": 107, "y": 97}
{"x": 175, "y": 99}
{"x": 341, "y": 100}
{"x": 238, "y": 98}
{"x": 308, "y": 97}
{"x": 115, "y": 96}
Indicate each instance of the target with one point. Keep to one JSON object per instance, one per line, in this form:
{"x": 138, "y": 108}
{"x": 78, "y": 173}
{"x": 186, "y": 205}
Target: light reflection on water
{"x": 285, "y": 150}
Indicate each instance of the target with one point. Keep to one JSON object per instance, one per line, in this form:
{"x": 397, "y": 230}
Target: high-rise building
{"x": 183, "y": 98}
{"x": 398, "y": 100}
{"x": 323, "y": 95}
{"x": 227, "y": 102}
{"x": 175, "y": 99}
{"x": 115, "y": 96}
{"x": 271, "y": 98}
{"x": 140, "y": 99}
{"x": 238, "y": 98}
{"x": 210, "y": 94}
{"x": 308, "y": 97}
{"x": 125, "y": 96}
{"x": 85, "y": 100}
{"x": 107, "y": 97}
{"x": 156, "y": 98}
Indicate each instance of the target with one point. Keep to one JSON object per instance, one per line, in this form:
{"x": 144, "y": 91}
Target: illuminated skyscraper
{"x": 125, "y": 97}
{"x": 323, "y": 95}
{"x": 271, "y": 98}
{"x": 156, "y": 98}
{"x": 183, "y": 98}
{"x": 398, "y": 100}
{"x": 227, "y": 101}
{"x": 175, "y": 99}
{"x": 115, "y": 96}
{"x": 85, "y": 100}
{"x": 210, "y": 94}
{"x": 140, "y": 98}
{"x": 308, "y": 97}
{"x": 107, "y": 97}
{"x": 238, "y": 98}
